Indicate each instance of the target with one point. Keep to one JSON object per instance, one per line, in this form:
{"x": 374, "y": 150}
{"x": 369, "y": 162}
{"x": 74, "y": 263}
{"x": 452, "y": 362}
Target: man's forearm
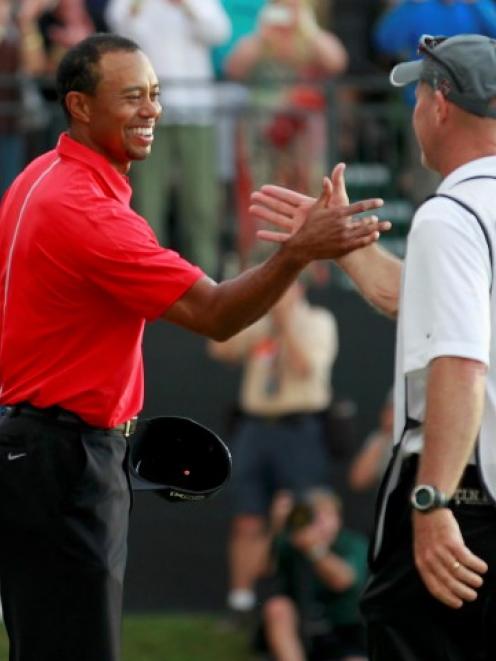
{"x": 221, "y": 310}
{"x": 455, "y": 398}
{"x": 377, "y": 275}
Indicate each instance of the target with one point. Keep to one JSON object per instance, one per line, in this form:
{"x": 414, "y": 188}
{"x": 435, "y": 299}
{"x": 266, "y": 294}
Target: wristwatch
{"x": 426, "y": 498}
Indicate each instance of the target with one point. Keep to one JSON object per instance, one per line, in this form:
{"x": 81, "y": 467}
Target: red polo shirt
{"x": 80, "y": 273}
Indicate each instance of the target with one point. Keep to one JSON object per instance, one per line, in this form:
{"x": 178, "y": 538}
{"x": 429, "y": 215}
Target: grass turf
{"x": 174, "y": 638}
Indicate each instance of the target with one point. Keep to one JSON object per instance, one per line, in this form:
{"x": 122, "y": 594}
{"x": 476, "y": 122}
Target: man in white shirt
{"x": 444, "y": 462}
{"x": 177, "y": 36}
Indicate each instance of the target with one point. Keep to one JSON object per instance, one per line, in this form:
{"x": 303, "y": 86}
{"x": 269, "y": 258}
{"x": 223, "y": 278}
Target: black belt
{"x": 58, "y": 414}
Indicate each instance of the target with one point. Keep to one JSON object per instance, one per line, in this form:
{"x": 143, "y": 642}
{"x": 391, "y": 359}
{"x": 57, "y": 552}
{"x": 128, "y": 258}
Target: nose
{"x": 151, "y": 108}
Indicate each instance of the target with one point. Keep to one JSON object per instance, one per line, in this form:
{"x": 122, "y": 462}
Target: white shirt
{"x": 446, "y": 308}
{"x": 177, "y": 37}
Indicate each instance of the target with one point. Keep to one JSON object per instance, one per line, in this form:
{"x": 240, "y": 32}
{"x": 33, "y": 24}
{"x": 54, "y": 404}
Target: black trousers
{"x": 64, "y": 510}
{"x": 404, "y": 622}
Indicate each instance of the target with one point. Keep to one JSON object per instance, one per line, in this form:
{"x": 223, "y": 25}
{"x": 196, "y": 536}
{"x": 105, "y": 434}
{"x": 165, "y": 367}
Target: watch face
{"x": 424, "y": 497}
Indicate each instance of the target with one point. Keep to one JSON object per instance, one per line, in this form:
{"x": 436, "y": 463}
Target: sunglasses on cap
{"x": 427, "y": 45}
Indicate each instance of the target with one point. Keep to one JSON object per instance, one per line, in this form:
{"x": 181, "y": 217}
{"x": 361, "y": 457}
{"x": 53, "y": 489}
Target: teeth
{"x": 145, "y": 132}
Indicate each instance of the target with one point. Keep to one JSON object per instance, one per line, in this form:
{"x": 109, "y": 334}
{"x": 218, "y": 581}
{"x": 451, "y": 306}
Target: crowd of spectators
{"x": 246, "y": 96}
{"x": 284, "y": 51}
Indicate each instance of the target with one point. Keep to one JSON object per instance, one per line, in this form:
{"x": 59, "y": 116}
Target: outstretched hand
{"x": 292, "y": 213}
{"x": 325, "y": 228}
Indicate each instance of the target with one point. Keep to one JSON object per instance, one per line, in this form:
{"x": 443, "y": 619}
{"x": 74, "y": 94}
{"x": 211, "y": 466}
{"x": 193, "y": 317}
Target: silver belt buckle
{"x": 129, "y": 427}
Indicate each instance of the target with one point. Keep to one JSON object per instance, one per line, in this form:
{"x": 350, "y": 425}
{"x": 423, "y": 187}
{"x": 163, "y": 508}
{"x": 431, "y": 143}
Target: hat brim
{"x": 177, "y": 458}
{"x": 406, "y": 73}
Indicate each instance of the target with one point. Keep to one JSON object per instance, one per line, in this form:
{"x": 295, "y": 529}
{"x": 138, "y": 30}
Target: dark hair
{"x": 78, "y": 70}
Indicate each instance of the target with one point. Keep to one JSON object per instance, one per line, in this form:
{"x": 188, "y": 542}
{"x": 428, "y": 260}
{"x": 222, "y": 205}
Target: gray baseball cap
{"x": 462, "y": 67}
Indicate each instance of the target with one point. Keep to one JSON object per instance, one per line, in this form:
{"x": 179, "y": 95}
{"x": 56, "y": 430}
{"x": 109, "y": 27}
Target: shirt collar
{"x": 118, "y": 183}
{"x": 481, "y": 166}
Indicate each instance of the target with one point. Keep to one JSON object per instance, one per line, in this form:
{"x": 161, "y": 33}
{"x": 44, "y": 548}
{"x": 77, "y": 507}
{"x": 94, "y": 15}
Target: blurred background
{"x": 254, "y": 92}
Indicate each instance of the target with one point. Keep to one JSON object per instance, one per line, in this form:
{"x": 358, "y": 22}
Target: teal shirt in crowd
{"x": 243, "y": 15}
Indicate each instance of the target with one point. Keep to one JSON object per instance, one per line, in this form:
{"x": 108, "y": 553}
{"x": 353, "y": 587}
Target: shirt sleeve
{"x": 121, "y": 256}
{"x": 447, "y": 286}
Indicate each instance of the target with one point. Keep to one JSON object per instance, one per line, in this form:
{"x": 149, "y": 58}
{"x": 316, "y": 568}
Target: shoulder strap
{"x": 477, "y": 218}
{"x": 471, "y": 211}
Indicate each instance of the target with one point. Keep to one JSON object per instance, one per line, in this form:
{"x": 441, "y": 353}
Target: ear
{"x": 77, "y": 104}
{"x": 441, "y": 107}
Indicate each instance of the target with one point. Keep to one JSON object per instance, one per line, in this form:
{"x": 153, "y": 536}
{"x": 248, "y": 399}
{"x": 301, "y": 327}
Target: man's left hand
{"x": 450, "y": 571}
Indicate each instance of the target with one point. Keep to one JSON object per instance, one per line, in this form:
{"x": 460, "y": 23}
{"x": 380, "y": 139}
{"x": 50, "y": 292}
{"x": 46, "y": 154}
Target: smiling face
{"x": 118, "y": 120}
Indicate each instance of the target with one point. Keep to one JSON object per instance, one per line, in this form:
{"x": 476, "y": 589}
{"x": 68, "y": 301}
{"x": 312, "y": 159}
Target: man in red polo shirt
{"x": 80, "y": 275}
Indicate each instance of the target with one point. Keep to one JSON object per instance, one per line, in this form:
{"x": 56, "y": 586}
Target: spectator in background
{"x": 243, "y": 15}
{"x": 233, "y": 97}
{"x": 396, "y": 36}
{"x": 319, "y": 571}
{"x": 279, "y": 442}
{"x": 21, "y": 54}
{"x": 63, "y": 24}
{"x": 370, "y": 463}
{"x": 178, "y": 35}
{"x": 288, "y": 40}
{"x": 285, "y": 60}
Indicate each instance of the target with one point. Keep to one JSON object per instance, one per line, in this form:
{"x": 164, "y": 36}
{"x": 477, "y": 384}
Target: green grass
{"x": 3, "y": 644}
{"x": 174, "y": 638}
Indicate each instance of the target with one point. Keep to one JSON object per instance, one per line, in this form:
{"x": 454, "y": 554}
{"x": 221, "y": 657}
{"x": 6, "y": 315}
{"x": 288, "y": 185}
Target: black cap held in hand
{"x": 178, "y": 459}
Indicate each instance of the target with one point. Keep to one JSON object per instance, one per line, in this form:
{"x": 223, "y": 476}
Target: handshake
{"x": 326, "y": 228}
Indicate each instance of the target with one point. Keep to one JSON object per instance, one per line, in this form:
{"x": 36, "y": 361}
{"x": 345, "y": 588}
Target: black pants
{"x": 404, "y": 622}
{"x": 64, "y": 509}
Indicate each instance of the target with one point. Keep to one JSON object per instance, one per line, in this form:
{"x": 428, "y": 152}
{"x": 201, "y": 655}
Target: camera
{"x": 276, "y": 15}
{"x": 300, "y": 516}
